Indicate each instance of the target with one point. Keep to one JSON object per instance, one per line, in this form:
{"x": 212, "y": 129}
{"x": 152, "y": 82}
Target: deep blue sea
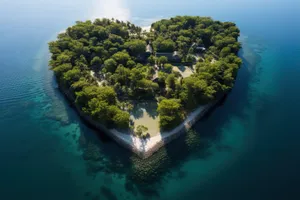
{"x": 247, "y": 148}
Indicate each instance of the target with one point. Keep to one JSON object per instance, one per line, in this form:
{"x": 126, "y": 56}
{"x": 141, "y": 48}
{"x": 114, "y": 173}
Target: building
{"x": 149, "y": 49}
{"x": 198, "y": 48}
{"x": 144, "y": 56}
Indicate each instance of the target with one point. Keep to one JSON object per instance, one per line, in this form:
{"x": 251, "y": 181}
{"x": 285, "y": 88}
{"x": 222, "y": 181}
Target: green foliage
{"x": 162, "y": 76}
{"x": 169, "y": 106}
{"x": 121, "y": 75}
{"x": 147, "y": 86}
{"x": 79, "y": 85}
{"x": 170, "y": 81}
{"x": 121, "y": 57}
{"x": 135, "y": 47}
{"x": 97, "y": 109}
{"x": 96, "y": 61}
{"x": 183, "y": 31}
{"x": 167, "y": 68}
{"x": 61, "y": 69}
{"x": 130, "y": 64}
{"x": 190, "y": 58}
{"x": 100, "y": 103}
{"x": 141, "y": 130}
{"x": 169, "y": 113}
{"x": 102, "y": 93}
{"x": 225, "y": 52}
{"x": 71, "y": 76}
{"x": 137, "y": 74}
{"x": 162, "y": 45}
{"x": 110, "y": 65}
{"x": 121, "y": 119}
{"x": 195, "y": 90}
{"x": 118, "y": 48}
{"x": 217, "y": 73}
{"x": 151, "y": 60}
{"x": 162, "y": 60}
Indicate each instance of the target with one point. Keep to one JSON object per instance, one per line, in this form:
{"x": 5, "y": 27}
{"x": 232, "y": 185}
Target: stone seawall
{"x": 96, "y": 125}
{"x": 144, "y": 148}
{"x": 180, "y": 130}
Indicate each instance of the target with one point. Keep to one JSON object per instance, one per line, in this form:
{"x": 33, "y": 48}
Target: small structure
{"x": 149, "y": 49}
{"x": 198, "y": 48}
{"x": 144, "y": 56}
{"x": 172, "y": 56}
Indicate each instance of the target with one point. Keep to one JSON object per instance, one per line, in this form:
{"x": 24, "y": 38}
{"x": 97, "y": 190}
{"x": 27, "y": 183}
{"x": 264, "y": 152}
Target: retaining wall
{"x": 132, "y": 142}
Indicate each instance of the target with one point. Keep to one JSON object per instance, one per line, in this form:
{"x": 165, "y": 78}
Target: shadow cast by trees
{"x": 137, "y": 111}
{"x": 101, "y": 154}
{"x": 196, "y": 143}
{"x": 150, "y": 107}
{"x": 182, "y": 68}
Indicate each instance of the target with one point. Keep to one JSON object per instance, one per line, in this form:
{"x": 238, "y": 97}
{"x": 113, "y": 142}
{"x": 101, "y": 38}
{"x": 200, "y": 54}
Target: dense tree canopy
{"x": 215, "y": 73}
{"x": 125, "y": 69}
{"x": 135, "y": 47}
{"x": 169, "y": 112}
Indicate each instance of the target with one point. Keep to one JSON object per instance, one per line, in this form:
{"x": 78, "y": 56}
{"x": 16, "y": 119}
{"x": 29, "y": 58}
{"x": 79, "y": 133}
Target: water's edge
{"x": 135, "y": 144}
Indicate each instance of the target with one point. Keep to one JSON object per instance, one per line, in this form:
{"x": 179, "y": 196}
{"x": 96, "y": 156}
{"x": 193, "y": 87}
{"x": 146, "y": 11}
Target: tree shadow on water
{"x": 145, "y": 176}
{"x": 196, "y": 143}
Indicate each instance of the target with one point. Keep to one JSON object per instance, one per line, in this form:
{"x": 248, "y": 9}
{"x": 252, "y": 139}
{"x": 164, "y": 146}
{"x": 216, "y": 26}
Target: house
{"x": 144, "y": 56}
{"x": 198, "y": 48}
{"x": 172, "y": 56}
{"x": 149, "y": 48}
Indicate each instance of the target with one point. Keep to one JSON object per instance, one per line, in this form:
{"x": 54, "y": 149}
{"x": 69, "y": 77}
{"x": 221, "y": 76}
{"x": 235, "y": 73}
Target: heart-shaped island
{"x": 145, "y": 88}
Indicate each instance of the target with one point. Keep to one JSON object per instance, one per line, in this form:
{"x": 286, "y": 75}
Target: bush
{"x": 168, "y": 68}
{"x": 169, "y": 113}
{"x": 141, "y": 131}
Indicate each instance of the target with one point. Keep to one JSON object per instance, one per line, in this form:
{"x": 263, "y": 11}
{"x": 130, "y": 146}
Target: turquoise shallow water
{"x": 247, "y": 148}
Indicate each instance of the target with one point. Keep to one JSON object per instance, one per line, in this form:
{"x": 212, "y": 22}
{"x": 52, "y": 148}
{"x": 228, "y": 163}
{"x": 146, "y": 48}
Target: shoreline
{"x": 144, "y": 148}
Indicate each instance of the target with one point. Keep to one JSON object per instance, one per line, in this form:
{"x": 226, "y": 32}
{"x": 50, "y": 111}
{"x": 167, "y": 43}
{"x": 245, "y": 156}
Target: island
{"x": 145, "y": 88}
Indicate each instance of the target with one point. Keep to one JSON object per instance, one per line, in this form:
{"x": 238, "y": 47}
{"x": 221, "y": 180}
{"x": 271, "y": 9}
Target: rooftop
{"x": 149, "y": 48}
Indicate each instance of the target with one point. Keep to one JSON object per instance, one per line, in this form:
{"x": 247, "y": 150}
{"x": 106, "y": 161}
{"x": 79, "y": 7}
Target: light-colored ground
{"x": 185, "y": 71}
{"x": 92, "y": 73}
{"x": 151, "y": 123}
{"x": 145, "y": 114}
{"x": 150, "y": 145}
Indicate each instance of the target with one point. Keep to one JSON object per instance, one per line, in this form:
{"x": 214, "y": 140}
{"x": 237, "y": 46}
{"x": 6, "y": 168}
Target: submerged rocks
{"x": 91, "y": 152}
{"x": 150, "y": 169}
